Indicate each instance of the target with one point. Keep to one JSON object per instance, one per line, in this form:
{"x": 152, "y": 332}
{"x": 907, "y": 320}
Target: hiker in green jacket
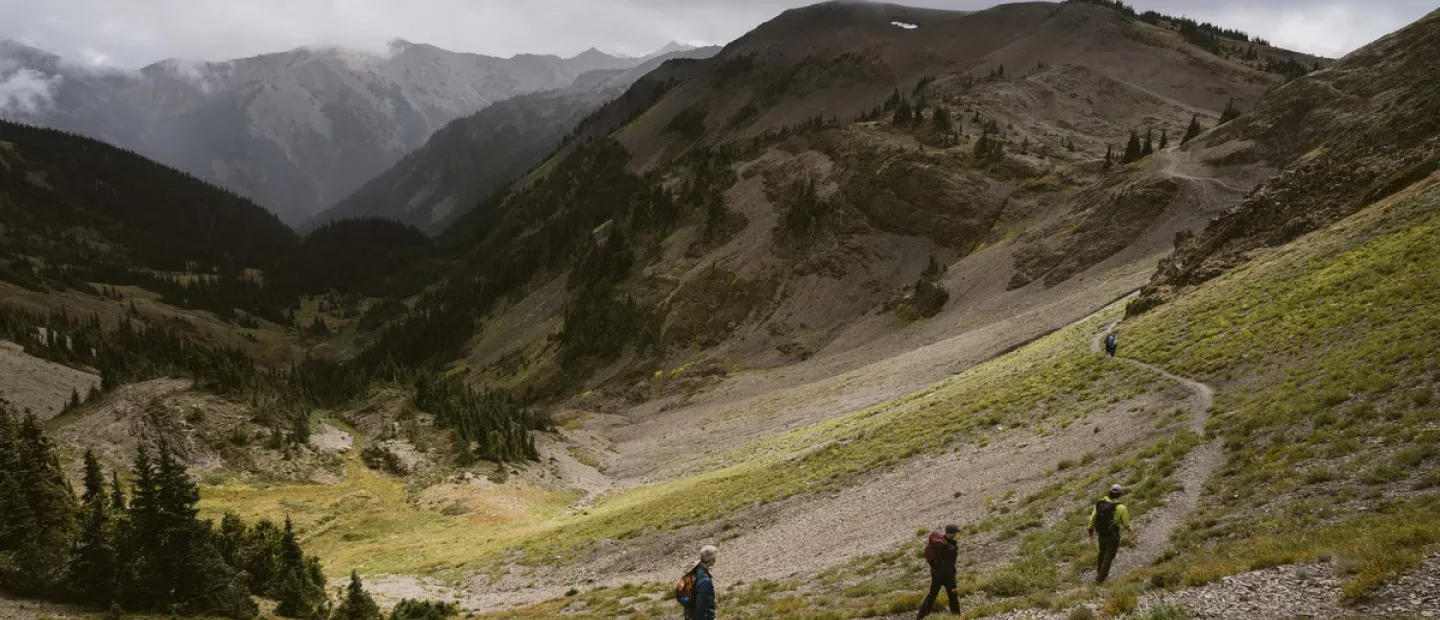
{"x": 1107, "y": 518}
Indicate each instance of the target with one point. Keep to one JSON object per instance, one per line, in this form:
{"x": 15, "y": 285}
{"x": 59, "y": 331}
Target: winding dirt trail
{"x": 1153, "y": 534}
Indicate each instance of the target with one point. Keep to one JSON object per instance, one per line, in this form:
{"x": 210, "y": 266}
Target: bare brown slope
{"x": 1349, "y": 135}
{"x": 841, "y": 60}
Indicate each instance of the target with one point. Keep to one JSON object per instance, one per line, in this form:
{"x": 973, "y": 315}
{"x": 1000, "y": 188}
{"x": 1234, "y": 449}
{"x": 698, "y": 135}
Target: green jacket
{"x": 1122, "y": 515}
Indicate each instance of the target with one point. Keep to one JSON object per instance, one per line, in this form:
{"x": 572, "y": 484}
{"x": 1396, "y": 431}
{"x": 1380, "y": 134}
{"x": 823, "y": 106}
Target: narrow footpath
{"x": 1154, "y": 530}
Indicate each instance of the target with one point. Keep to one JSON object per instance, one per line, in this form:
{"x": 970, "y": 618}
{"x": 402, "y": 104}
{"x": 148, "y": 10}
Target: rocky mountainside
{"x": 849, "y": 153}
{"x": 1346, "y": 137}
{"x": 294, "y": 131}
{"x": 475, "y": 156}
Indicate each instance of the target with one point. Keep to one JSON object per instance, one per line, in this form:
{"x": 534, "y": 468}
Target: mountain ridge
{"x": 293, "y": 130}
{"x": 472, "y": 157}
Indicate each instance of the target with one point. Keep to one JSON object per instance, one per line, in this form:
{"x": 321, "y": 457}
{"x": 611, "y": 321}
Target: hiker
{"x": 941, "y": 551}
{"x": 696, "y": 590}
{"x": 1112, "y": 342}
{"x": 1108, "y": 517}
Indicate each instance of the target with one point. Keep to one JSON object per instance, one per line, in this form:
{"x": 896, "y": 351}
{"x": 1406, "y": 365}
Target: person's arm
{"x": 705, "y": 598}
{"x": 1123, "y": 514}
{"x": 1090, "y": 526}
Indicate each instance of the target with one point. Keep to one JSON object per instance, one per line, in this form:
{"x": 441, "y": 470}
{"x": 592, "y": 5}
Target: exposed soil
{"x": 43, "y": 387}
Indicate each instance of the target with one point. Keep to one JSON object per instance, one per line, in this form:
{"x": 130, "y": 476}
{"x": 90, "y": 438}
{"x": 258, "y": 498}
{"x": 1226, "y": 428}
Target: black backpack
{"x": 1105, "y": 517}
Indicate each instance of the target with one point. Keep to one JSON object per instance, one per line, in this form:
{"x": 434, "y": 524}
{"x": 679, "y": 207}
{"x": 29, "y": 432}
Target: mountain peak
{"x": 591, "y": 54}
{"x": 671, "y": 48}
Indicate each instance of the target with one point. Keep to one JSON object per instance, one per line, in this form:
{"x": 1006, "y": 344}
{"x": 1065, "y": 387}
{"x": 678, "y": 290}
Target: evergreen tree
{"x": 298, "y": 594}
{"x": 94, "y": 565}
{"x": 117, "y": 493}
{"x": 942, "y": 121}
{"x": 1164, "y": 139}
{"x": 357, "y": 604}
{"x": 38, "y": 508}
{"x": 903, "y": 113}
{"x": 1132, "y": 149}
{"x": 94, "y": 479}
{"x": 1193, "y": 130}
{"x": 1230, "y": 113}
{"x": 1149, "y": 148}
{"x": 1109, "y": 156}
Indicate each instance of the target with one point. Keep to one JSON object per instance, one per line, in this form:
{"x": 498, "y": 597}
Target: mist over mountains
{"x": 295, "y": 131}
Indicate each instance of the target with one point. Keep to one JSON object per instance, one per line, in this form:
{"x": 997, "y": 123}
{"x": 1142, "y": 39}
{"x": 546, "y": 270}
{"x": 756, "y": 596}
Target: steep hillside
{"x": 1357, "y": 132}
{"x": 66, "y": 199}
{"x": 817, "y": 190}
{"x": 294, "y": 131}
{"x": 475, "y": 156}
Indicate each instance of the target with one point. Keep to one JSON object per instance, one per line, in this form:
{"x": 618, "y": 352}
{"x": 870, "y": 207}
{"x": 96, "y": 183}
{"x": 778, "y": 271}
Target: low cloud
{"x": 26, "y": 91}
{"x": 133, "y": 33}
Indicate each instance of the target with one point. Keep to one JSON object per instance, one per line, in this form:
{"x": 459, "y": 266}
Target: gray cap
{"x": 952, "y": 529}
{"x": 1116, "y": 490}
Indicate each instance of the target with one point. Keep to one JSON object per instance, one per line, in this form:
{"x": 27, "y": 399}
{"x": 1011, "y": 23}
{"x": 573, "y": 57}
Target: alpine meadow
{"x": 1066, "y": 310}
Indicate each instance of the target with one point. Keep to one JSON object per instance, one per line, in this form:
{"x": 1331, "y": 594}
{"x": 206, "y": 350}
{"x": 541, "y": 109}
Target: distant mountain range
{"x": 294, "y": 131}
{"x": 477, "y": 155}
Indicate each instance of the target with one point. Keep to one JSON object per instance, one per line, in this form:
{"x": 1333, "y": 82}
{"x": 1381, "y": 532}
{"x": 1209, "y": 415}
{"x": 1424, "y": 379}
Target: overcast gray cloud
{"x": 132, "y": 33}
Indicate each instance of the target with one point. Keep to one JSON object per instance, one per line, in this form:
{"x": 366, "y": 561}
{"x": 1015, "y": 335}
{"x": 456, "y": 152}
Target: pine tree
{"x": 117, "y": 493}
{"x": 74, "y": 402}
{"x": 357, "y": 604}
{"x": 94, "y": 479}
{"x": 298, "y": 594}
{"x": 1132, "y": 149}
{"x": 1164, "y": 139}
{"x": 903, "y": 113}
{"x": 1193, "y": 130}
{"x": 1109, "y": 156}
{"x": 38, "y": 508}
{"x": 1149, "y": 148}
{"x": 94, "y": 565}
{"x": 1230, "y": 113}
{"x": 942, "y": 121}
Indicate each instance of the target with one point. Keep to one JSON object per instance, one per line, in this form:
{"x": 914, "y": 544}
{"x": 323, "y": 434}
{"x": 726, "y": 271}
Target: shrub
{"x": 1121, "y": 603}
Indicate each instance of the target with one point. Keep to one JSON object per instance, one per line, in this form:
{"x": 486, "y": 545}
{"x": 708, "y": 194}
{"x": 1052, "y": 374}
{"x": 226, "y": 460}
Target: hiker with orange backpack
{"x": 696, "y": 590}
{"x": 941, "y": 552}
{"x": 1108, "y": 517}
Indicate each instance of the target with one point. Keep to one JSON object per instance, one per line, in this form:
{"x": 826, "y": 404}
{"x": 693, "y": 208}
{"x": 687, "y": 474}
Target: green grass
{"x": 1325, "y": 355}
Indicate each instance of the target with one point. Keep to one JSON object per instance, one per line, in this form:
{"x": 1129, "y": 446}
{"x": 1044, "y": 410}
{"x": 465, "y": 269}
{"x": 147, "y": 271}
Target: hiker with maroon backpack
{"x": 1107, "y": 518}
{"x": 941, "y": 552}
{"x": 696, "y": 590}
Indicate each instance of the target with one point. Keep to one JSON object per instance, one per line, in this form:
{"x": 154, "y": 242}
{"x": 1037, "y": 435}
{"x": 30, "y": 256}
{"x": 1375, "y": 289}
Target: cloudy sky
{"x": 132, "y": 33}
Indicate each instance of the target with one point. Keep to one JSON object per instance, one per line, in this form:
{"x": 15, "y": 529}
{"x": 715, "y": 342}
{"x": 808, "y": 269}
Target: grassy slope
{"x": 1324, "y": 353}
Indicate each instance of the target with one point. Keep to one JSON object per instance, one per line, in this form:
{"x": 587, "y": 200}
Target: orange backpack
{"x": 685, "y": 590}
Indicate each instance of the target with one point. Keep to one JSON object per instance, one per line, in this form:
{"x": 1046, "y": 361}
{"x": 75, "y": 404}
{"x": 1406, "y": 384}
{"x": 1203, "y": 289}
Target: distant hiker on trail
{"x": 1108, "y": 517}
{"x": 1112, "y": 342}
{"x": 696, "y": 590}
{"x": 941, "y": 551}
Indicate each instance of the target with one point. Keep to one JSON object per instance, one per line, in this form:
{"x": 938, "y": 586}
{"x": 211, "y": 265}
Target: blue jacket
{"x": 704, "y": 594}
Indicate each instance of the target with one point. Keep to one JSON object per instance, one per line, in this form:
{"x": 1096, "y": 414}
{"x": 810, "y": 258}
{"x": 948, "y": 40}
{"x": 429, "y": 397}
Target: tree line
{"x": 141, "y": 547}
{"x": 134, "y": 350}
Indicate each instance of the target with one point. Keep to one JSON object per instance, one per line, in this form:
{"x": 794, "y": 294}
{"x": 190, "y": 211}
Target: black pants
{"x": 1108, "y": 546}
{"x": 937, "y": 582}
{"x": 1110, "y": 350}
